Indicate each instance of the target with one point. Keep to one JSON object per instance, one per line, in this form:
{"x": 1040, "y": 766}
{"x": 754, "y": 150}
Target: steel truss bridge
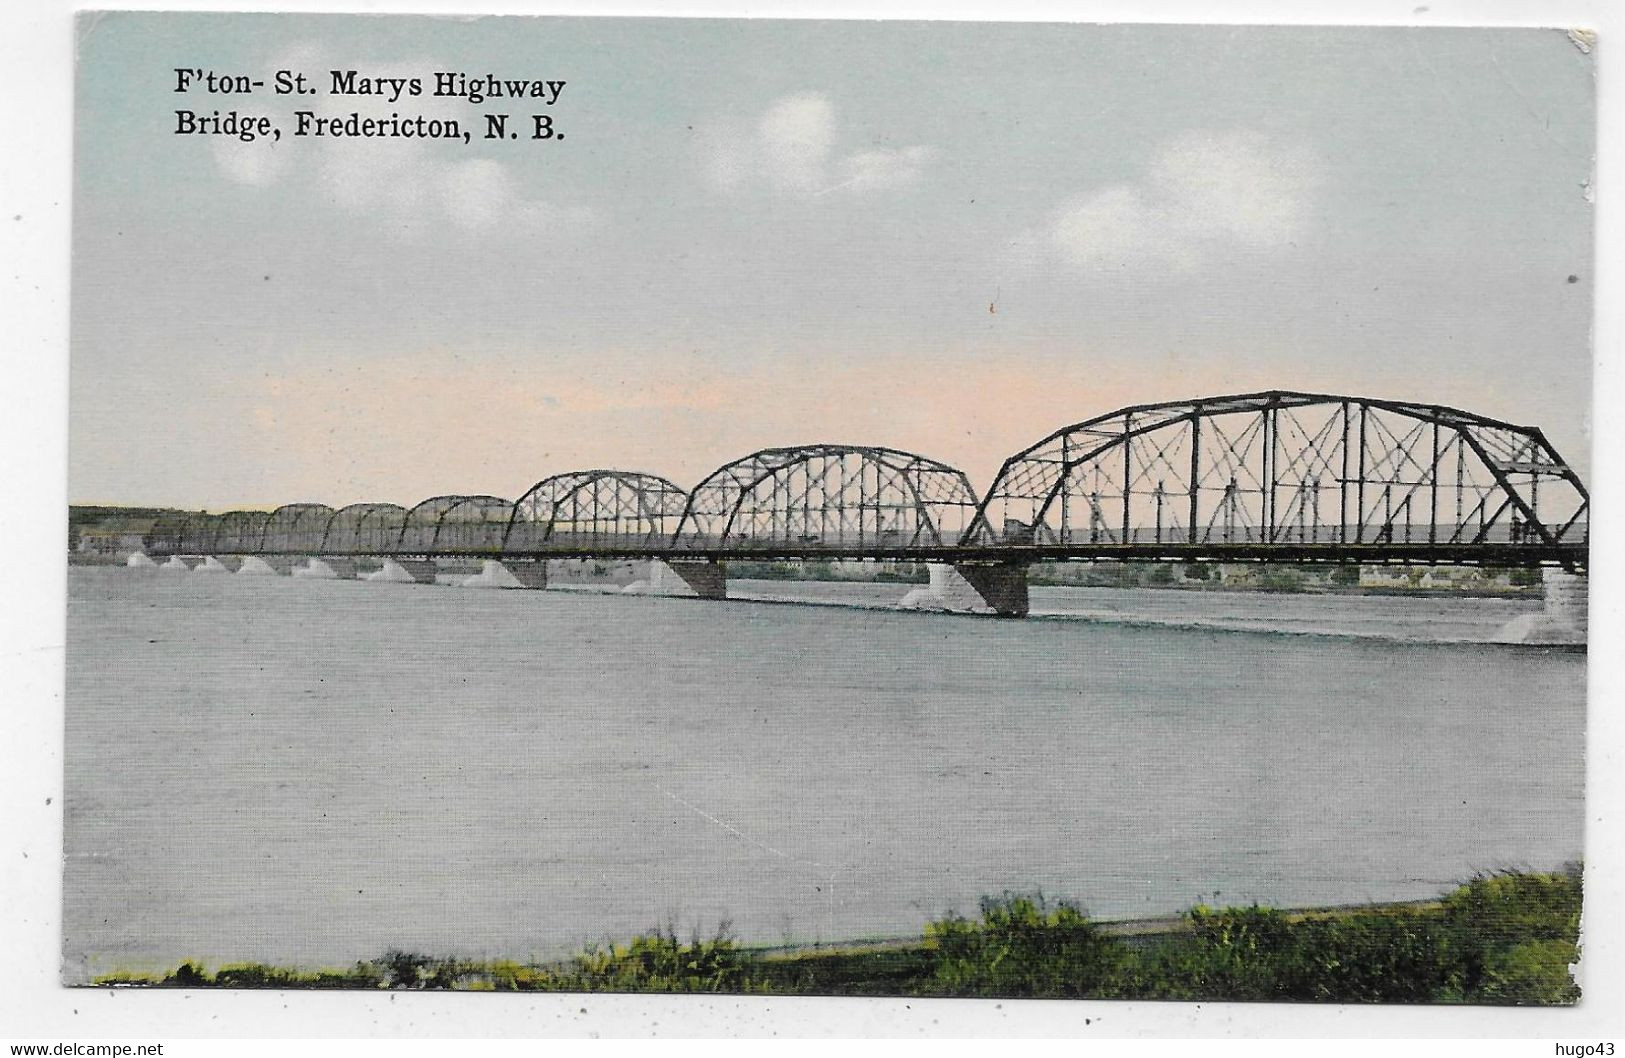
{"x": 1277, "y": 476}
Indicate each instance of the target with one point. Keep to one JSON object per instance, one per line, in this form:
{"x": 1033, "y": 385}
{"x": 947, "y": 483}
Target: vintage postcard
{"x": 955, "y": 509}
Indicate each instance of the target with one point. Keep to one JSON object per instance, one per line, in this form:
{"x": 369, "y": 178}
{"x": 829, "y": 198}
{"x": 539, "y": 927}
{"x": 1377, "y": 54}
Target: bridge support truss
{"x": 1291, "y": 473}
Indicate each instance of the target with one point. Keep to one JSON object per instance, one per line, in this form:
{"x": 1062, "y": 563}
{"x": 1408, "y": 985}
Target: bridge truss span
{"x": 586, "y": 510}
{"x": 839, "y": 498}
{"x": 297, "y": 529}
{"x": 182, "y": 534}
{"x": 236, "y": 533}
{"x": 456, "y": 525}
{"x": 365, "y": 529}
{"x": 1287, "y": 471}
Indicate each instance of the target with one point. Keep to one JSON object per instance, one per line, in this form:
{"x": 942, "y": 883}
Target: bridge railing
{"x": 1500, "y": 533}
{"x": 527, "y": 538}
{"x": 836, "y": 543}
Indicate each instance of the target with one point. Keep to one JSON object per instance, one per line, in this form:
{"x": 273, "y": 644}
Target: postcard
{"x": 887, "y": 508}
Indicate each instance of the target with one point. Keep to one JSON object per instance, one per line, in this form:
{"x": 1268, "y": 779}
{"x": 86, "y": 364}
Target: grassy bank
{"x": 1504, "y": 938}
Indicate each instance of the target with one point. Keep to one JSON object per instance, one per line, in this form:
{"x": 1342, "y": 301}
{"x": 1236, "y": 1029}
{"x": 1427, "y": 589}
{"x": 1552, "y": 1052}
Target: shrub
{"x": 403, "y": 969}
{"x": 361, "y": 975}
{"x": 509, "y": 976}
{"x": 1507, "y": 907}
{"x": 187, "y": 975}
{"x": 1258, "y": 954}
{"x": 1022, "y": 947}
{"x": 254, "y": 975}
{"x": 1228, "y": 954}
{"x": 1399, "y": 956}
{"x": 1533, "y": 973}
{"x": 659, "y": 962}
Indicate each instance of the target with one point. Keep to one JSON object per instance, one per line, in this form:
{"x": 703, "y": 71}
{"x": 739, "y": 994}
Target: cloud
{"x": 256, "y": 164}
{"x": 1204, "y": 196}
{"x": 481, "y": 195}
{"x": 887, "y": 168}
{"x": 795, "y": 137}
{"x": 791, "y": 148}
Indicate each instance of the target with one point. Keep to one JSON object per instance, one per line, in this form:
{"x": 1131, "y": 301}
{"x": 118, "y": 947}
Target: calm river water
{"x": 312, "y": 772}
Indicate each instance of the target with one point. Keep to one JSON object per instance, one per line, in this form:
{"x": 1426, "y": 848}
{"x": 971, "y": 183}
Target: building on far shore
{"x": 114, "y": 538}
{"x": 1447, "y": 578}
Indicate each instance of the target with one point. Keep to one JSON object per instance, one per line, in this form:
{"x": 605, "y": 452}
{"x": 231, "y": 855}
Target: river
{"x": 311, "y": 772}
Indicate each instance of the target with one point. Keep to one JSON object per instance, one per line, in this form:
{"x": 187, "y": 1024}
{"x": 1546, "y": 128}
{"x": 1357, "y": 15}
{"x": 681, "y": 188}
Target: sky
{"x": 949, "y": 238}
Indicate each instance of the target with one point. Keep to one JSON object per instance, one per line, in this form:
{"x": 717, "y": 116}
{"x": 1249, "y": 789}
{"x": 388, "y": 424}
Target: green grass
{"x": 1502, "y": 938}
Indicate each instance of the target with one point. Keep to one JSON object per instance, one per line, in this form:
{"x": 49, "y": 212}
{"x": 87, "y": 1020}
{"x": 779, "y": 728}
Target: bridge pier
{"x": 531, "y": 575}
{"x": 420, "y": 570}
{"x": 323, "y": 568}
{"x": 314, "y": 569}
{"x": 267, "y": 565}
{"x": 211, "y": 564}
{"x": 705, "y": 580}
{"x": 1564, "y": 619}
{"x": 510, "y": 574}
{"x": 1002, "y": 587}
{"x": 390, "y": 571}
{"x": 972, "y": 588}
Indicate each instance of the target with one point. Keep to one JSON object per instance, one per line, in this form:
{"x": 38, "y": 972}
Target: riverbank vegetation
{"x": 1503, "y": 938}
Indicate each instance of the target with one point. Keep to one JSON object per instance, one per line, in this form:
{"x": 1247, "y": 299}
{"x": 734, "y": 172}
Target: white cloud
{"x": 795, "y": 137}
{"x": 255, "y": 163}
{"x": 1204, "y": 195}
{"x": 480, "y": 195}
{"x": 477, "y": 193}
{"x": 791, "y": 148}
{"x": 887, "y": 168}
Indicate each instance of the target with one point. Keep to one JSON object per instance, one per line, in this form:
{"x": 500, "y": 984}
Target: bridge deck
{"x": 1568, "y": 556}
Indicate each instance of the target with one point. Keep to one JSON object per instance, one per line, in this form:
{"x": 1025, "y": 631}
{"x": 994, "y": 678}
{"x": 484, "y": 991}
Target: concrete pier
{"x": 514, "y": 573}
{"x": 421, "y": 570}
{"x": 327, "y": 568}
{"x": 267, "y": 565}
{"x": 510, "y": 574}
{"x": 343, "y": 566}
{"x": 972, "y": 588}
{"x": 531, "y": 575}
{"x": 391, "y": 572}
{"x": 705, "y": 580}
{"x": 1563, "y": 619}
